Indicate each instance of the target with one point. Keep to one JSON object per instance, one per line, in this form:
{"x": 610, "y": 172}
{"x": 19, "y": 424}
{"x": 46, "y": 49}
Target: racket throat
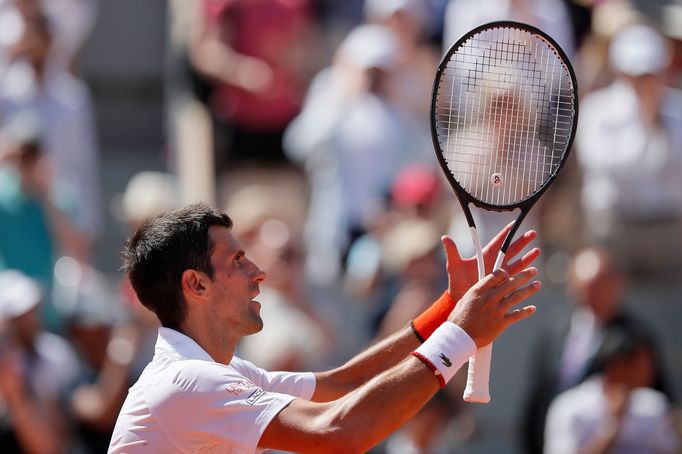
{"x": 479, "y": 251}
{"x": 499, "y": 261}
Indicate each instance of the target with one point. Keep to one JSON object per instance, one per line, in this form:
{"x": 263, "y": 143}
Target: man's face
{"x": 235, "y": 284}
{"x": 596, "y": 284}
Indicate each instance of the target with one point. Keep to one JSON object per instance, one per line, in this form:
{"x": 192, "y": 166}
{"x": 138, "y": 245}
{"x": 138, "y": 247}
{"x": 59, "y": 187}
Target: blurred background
{"x": 307, "y": 121}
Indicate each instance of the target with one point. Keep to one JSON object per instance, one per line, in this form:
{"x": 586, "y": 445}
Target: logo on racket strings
{"x": 496, "y": 179}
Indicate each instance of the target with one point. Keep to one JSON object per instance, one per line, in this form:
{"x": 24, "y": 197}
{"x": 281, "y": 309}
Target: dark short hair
{"x": 162, "y": 248}
{"x": 619, "y": 343}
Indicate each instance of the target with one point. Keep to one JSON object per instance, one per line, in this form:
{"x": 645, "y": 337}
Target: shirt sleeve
{"x": 299, "y": 384}
{"x": 208, "y": 406}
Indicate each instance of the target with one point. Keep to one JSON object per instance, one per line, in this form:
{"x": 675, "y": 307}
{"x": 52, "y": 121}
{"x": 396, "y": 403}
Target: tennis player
{"x": 196, "y": 396}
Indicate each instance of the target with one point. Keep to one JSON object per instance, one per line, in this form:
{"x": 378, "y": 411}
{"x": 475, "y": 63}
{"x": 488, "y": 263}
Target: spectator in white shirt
{"x": 30, "y": 81}
{"x": 629, "y": 146}
{"x": 615, "y": 410}
{"x": 551, "y": 16}
{"x": 37, "y": 370}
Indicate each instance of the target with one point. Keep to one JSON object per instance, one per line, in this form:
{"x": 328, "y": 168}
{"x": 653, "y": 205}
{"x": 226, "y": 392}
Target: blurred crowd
{"x": 308, "y": 122}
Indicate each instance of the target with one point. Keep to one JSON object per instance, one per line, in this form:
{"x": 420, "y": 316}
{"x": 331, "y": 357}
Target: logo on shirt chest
{"x": 246, "y": 386}
{"x": 237, "y": 388}
{"x": 255, "y": 396}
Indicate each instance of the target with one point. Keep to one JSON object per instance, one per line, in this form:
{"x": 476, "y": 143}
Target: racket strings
{"x": 504, "y": 114}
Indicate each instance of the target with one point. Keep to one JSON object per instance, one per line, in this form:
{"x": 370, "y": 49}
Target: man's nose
{"x": 258, "y": 274}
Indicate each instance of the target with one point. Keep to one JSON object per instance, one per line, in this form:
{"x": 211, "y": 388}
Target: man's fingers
{"x": 525, "y": 261}
{"x": 520, "y": 295}
{"x": 520, "y": 314}
{"x": 520, "y": 243}
{"x": 451, "y": 251}
{"x": 494, "y": 279}
{"x": 516, "y": 281}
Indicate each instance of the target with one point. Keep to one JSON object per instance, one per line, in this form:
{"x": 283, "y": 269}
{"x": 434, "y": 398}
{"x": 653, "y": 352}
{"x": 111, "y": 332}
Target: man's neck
{"x": 219, "y": 346}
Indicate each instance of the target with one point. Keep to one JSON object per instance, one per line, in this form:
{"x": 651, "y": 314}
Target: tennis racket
{"x": 503, "y": 117}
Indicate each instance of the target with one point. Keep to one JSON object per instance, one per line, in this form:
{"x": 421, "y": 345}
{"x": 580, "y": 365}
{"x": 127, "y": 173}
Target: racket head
{"x": 503, "y": 88}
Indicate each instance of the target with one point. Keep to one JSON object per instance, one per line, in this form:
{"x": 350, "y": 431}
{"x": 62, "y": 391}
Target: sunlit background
{"x": 308, "y": 122}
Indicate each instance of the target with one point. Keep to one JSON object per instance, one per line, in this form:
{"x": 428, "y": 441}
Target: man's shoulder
{"x": 175, "y": 373}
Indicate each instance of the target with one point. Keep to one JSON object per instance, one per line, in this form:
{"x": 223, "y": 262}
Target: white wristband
{"x": 446, "y": 350}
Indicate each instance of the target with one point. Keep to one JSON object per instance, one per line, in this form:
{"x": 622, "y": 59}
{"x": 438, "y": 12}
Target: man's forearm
{"x": 376, "y": 409}
{"x": 360, "y": 419}
{"x": 363, "y": 367}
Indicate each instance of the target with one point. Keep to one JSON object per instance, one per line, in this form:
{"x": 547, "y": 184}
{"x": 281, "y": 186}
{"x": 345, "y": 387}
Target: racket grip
{"x": 478, "y": 378}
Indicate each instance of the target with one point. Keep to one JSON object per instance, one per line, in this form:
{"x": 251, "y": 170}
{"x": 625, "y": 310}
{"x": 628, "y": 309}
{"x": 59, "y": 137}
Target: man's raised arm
{"x": 361, "y": 419}
{"x": 462, "y": 275}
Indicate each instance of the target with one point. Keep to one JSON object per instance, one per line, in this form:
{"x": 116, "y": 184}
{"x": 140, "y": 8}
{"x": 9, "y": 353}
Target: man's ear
{"x": 195, "y": 285}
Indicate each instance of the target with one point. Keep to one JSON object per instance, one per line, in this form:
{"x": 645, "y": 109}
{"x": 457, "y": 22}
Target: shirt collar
{"x": 173, "y": 341}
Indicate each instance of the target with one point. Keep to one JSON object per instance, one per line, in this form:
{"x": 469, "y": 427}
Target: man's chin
{"x": 257, "y": 325}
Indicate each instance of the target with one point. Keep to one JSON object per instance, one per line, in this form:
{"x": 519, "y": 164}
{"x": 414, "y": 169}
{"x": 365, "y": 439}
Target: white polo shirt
{"x": 577, "y": 416}
{"x": 186, "y": 402}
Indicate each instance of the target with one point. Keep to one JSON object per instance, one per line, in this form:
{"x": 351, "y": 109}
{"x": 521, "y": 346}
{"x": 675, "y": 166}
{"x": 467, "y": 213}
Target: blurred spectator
{"x": 28, "y": 81}
{"x": 410, "y": 21}
{"x": 672, "y": 29}
{"x": 615, "y": 409}
{"x": 416, "y": 198}
{"x": 629, "y": 145}
{"x": 255, "y": 55}
{"x": 37, "y": 371}
{"x": 147, "y": 194}
{"x": 352, "y": 139}
{"x": 550, "y": 16}
{"x": 36, "y": 211}
{"x": 72, "y": 21}
{"x": 412, "y": 257}
{"x": 567, "y": 343}
{"x": 608, "y": 18}
{"x": 417, "y": 191}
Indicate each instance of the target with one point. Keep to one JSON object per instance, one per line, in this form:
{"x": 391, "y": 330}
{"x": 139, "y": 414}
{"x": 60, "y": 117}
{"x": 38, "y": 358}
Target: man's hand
{"x": 484, "y": 311}
{"x": 463, "y": 273}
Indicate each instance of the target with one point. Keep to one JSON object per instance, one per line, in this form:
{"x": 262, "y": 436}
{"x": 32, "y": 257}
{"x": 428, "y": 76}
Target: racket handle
{"x": 478, "y": 377}
{"x": 477, "y": 389}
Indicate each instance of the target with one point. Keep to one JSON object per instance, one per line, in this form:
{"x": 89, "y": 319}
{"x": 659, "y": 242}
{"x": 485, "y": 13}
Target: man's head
{"x": 20, "y": 299}
{"x": 36, "y": 42}
{"x": 626, "y": 357}
{"x": 640, "y": 55}
{"x": 595, "y": 283}
{"x": 157, "y": 255}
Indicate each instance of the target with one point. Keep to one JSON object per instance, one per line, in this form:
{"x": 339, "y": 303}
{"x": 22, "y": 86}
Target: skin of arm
{"x": 212, "y": 55}
{"x": 360, "y": 419}
{"x": 35, "y": 423}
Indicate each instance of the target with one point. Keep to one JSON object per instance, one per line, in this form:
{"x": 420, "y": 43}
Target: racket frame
{"x": 465, "y": 198}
